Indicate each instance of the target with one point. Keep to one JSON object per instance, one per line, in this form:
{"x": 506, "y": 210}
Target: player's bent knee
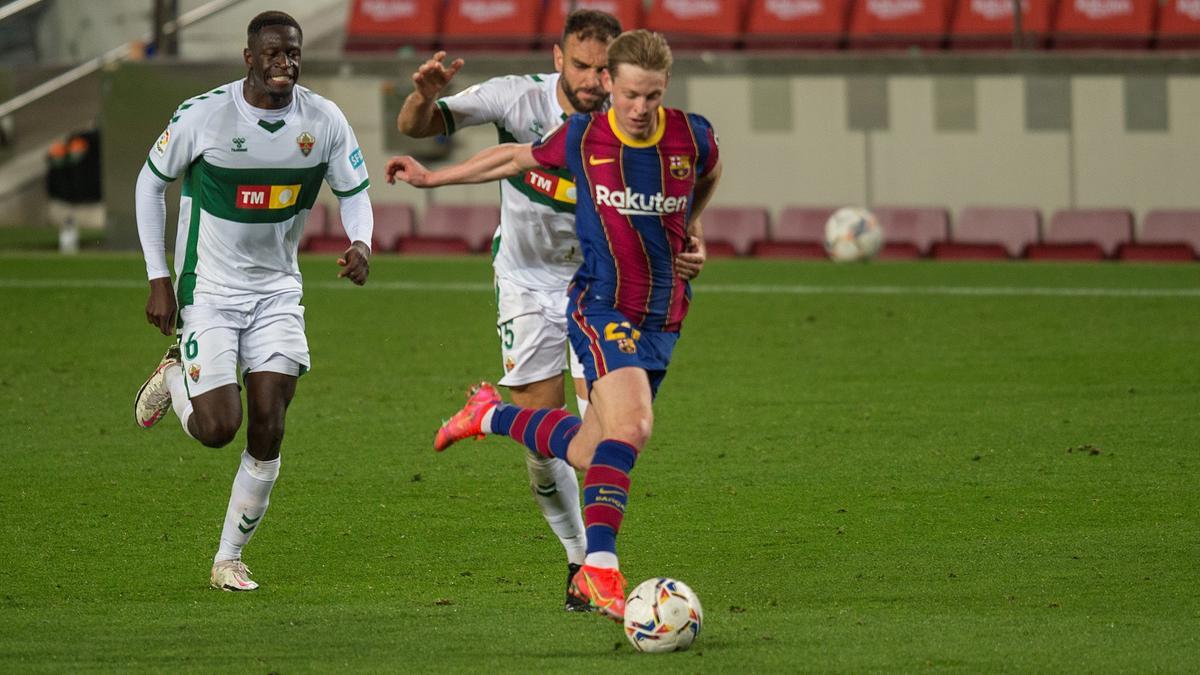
{"x": 216, "y": 433}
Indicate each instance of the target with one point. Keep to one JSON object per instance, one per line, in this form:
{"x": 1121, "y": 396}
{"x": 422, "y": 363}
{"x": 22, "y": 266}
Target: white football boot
{"x": 231, "y": 575}
{"x": 154, "y": 398}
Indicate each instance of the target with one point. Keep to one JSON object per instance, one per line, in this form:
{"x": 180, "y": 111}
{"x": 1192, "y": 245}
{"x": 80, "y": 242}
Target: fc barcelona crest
{"x": 306, "y": 141}
{"x": 680, "y": 166}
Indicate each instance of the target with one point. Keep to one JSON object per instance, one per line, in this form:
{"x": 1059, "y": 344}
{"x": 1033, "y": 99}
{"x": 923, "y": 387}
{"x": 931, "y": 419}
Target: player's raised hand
{"x": 161, "y": 307}
{"x": 355, "y": 263}
{"x": 691, "y": 259}
{"x": 407, "y": 169}
{"x": 433, "y": 75}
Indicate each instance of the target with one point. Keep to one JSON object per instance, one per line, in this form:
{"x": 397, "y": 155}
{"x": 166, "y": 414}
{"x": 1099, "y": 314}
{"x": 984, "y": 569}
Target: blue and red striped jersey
{"x": 633, "y": 200}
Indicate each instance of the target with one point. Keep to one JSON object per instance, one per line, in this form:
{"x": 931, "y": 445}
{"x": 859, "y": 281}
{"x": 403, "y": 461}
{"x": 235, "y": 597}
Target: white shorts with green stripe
{"x": 218, "y": 343}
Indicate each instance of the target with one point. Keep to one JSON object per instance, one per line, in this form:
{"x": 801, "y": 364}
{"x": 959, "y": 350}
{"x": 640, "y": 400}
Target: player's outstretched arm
{"x": 494, "y": 163}
{"x": 418, "y": 117}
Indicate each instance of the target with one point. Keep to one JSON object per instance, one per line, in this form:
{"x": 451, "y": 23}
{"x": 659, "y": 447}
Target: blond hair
{"x": 642, "y": 48}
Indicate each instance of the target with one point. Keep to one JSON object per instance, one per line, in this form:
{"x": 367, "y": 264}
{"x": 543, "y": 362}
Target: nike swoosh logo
{"x": 597, "y": 161}
{"x": 607, "y": 491}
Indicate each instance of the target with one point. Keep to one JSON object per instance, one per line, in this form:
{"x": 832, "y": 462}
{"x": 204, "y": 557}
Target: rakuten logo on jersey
{"x": 630, "y": 203}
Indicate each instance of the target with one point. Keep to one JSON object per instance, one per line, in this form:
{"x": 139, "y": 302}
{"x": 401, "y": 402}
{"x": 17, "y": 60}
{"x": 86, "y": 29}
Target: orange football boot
{"x": 467, "y": 423}
{"x": 604, "y": 588}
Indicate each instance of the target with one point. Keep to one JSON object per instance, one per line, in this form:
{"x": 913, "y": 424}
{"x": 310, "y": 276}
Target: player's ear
{"x": 606, "y": 80}
{"x": 247, "y": 56}
{"x": 558, "y": 59}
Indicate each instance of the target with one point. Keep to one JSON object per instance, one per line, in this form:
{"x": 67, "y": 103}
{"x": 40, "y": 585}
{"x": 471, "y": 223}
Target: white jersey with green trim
{"x": 249, "y": 185}
{"x": 538, "y": 247}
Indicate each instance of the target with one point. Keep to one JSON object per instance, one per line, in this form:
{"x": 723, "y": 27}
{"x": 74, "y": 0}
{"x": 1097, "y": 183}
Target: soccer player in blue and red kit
{"x": 643, "y": 174}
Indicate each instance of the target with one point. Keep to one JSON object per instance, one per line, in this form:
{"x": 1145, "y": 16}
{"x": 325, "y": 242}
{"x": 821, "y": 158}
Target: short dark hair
{"x": 590, "y": 24}
{"x": 271, "y": 18}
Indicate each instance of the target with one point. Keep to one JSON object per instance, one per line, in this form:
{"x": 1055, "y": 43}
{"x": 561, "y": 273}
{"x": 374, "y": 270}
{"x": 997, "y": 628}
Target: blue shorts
{"x": 605, "y": 340}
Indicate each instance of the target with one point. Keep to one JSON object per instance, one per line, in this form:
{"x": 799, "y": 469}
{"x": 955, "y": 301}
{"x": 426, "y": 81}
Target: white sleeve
{"x": 151, "y": 208}
{"x": 357, "y": 218}
{"x": 347, "y": 172}
{"x": 482, "y": 103}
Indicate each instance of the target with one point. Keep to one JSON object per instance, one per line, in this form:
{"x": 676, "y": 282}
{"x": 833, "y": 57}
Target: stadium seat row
{"x": 980, "y": 233}
{"x": 789, "y": 24}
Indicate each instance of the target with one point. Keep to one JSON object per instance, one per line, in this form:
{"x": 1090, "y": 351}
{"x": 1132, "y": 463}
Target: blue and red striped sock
{"x": 545, "y": 431}
{"x": 605, "y": 493}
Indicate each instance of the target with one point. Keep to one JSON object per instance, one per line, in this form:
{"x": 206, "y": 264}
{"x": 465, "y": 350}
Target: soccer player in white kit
{"x": 252, "y": 154}
{"x": 536, "y": 252}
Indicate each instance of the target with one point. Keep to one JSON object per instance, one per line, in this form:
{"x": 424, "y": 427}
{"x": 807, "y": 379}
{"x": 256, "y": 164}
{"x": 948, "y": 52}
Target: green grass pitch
{"x": 902, "y": 467}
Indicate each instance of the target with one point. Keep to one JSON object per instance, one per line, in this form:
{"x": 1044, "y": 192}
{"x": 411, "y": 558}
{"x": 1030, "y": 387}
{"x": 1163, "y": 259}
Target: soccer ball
{"x": 662, "y": 615}
{"x": 852, "y": 233}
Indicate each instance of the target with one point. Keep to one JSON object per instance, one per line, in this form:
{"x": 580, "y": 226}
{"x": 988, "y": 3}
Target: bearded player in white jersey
{"x": 253, "y": 154}
{"x": 536, "y": 252}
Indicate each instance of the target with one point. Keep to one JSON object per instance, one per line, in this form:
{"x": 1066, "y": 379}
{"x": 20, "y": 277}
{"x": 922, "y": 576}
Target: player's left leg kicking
{"x": 605, "y": 443}
{"x": 200, "y": 382}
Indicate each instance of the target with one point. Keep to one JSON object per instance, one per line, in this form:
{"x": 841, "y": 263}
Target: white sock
{"x": 582, "y": 403}
{"x": 556, "y": 490}
{"x": 602, "y": 559}
{"x": 248, "y": 502}
{"x": 179, "y": 397}
{"x": 485, "y": 425}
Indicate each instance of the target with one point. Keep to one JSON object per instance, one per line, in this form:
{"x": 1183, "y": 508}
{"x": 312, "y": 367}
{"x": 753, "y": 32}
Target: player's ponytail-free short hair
{"x": 642, "y": 48}
{"x": 590, "y": 24}
{"x": 271, "y": 18}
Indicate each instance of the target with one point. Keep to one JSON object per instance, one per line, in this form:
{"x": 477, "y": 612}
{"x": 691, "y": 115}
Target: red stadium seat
{"x": 449, "y": 228}
{"x": 799, "y": 233}
{"x": 1166, "y": 235}
{"x": 1108, "y": 24}
{"x": 1083, "y": 234}
{"x": 387, "y": 25}
{"x": 491, "y": 24}
{"x": 393, "y": 223}
{"x": 897, "y": 24}
{"x": 910, "y": 232}
{"x": 695, "y": 24}
{"x": 315, "y": 226}
{"x": 1178, "y": 25}
{"x": 628, "y": 12}
{"x": 733, "y": 230}
{"x": 988, "y": 24}
{"x": 819, "y": 24}
{"x": 991, "y": 233}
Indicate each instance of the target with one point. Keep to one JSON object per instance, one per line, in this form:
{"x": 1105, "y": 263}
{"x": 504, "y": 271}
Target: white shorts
{"x": 532, "y": 326}
{"x": 217, "y": 343}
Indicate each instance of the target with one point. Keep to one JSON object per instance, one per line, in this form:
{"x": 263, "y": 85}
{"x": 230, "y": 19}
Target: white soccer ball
{"x": 852, "y": 233}
{"x": 662, "y": 615}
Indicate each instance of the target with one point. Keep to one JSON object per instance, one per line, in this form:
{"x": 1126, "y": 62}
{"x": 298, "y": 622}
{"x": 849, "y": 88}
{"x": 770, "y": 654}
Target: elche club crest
{"x": 680, "y": 166}
{"x": 306, "y": 141}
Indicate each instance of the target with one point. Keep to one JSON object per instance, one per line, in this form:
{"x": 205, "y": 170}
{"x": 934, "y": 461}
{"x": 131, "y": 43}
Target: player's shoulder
{"x": 201, "y": 108}
{"x": 696, "y": 120}
{"x": 315, "y": 104}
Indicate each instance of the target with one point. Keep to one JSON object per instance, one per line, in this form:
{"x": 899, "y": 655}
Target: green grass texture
{"x": 869, "y": 468}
